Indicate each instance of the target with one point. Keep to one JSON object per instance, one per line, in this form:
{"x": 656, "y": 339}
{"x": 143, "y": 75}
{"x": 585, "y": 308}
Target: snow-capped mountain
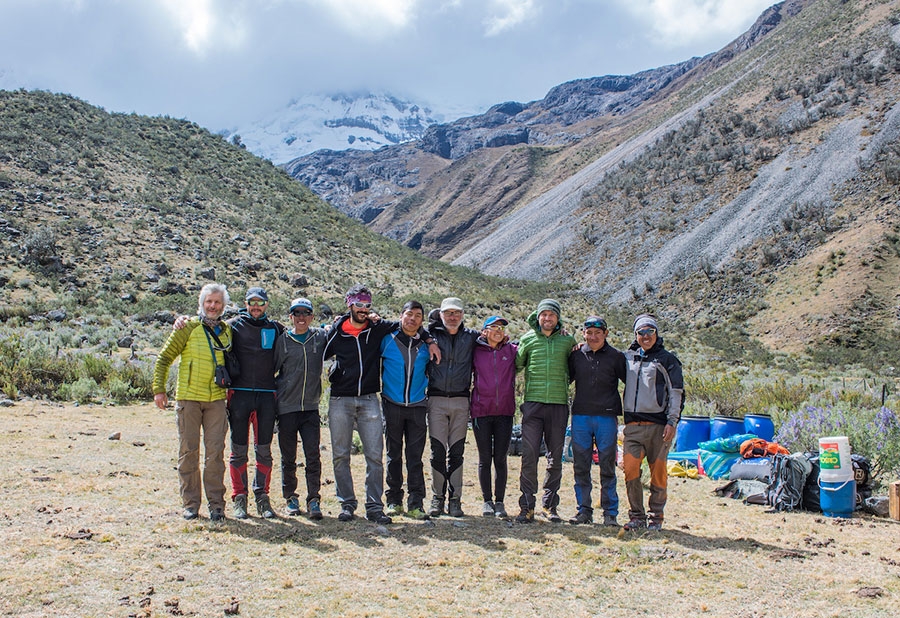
{"x": 336, "y": 122}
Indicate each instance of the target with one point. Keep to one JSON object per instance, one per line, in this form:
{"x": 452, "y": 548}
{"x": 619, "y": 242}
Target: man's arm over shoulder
{"x": 523, "y": 353}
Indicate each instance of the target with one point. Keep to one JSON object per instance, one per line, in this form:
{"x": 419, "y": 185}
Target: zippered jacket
{"x": 545, "y": 361}
{"x": 254, "y": 343}
{"x": 597, "y": 376}
{"x": 453, "y": 376}
{"x": 298, "y": 382}
{"x": 494, "y": 383}
{"x": 403, "y": 362}
{"x": 196, "y": 368}
{"x": 356, "y": 369}
{"x": 654, "y": 385}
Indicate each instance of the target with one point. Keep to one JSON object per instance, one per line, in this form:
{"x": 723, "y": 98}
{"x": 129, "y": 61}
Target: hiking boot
{"x": 487, "y": 510}
{"x": 654, "y": 524}
{"x": 217, "y": 514}
{"x": 346, "y": 514}
{"x": 239, "y": 508}
{"x": 190, "y": 513}
{"x": 293, "y": 506}
{"x": 315, "y": 511}
{"x": 417, "y": 513}
{"x": 264, "y": 507}
{"x": 394, "y": 509}
{"x": 454, "y": 508}
{"x": 610, "y": 521}
{"x": 525, "y": 516}
{"x": 582, "y": 517}
{"x": 636, "y": 524}
{"x": 379, "y": 518}
{"x": 552, "y": 515}
{"x": 500, "y": 510}
{"x": 437, "y": 507}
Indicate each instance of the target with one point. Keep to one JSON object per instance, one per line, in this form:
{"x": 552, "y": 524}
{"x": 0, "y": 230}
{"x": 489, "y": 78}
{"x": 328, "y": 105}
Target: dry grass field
{"x": 91, "y": 526}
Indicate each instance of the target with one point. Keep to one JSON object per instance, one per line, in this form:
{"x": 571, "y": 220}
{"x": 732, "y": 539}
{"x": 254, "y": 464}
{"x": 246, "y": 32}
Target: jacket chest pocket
{"x": 267, "y": 338}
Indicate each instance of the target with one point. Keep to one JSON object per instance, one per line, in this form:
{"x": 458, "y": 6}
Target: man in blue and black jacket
{"x": 404, "y": 356}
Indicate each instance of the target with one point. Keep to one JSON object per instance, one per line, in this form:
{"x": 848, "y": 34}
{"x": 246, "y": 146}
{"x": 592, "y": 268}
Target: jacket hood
{"x": 536, "y": 327}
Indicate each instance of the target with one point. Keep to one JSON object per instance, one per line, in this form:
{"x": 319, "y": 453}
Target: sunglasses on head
{"x": 301, "y": 313}
{"x": 595, "y": 324}
{"x": 361, "y": 305}
{"x": 257, "y": 303}
{"x": 646, "y": 332}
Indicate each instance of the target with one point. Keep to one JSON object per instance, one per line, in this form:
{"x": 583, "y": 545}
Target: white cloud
{"x": 370, "y": 16}
{"x": 682, "y": 22}
{"x": 510, "y": 13}
{"x": 206, "y": 24}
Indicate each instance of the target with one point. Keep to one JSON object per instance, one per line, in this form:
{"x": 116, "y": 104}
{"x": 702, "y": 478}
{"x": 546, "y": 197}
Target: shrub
{"x": 82, "y": 390}
{"x": 723, "y": 391}
{"x": 873, "y": 432}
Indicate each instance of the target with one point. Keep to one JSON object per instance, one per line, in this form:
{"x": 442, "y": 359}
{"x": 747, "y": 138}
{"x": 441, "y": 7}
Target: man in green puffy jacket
{"x": 544, "y": 357}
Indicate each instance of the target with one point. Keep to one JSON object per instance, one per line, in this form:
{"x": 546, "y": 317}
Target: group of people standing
{"x": 434, "y": 376}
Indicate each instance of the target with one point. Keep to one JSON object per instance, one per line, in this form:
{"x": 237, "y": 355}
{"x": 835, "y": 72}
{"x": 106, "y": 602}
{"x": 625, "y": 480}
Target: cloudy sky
{"x": 224, "y": 62}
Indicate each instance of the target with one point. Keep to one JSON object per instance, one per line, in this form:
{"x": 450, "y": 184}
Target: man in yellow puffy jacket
{"x": 199, "y": 403}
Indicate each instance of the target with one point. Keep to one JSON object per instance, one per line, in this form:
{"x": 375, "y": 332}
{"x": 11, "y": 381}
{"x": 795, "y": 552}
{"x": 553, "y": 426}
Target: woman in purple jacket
{"x": 493, "y": 403}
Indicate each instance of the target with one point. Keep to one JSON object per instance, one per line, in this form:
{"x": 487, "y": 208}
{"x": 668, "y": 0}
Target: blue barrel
{"x": 837, "y": 499}
{"x": 691, "y": 431}
{"x": 761, "y": 425}
{"x": 725, "y": 426}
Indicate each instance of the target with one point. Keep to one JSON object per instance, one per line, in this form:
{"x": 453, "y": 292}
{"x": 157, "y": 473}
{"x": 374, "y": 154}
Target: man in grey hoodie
{"x": 298, "y": 364}
{"x": 653, "y": 400}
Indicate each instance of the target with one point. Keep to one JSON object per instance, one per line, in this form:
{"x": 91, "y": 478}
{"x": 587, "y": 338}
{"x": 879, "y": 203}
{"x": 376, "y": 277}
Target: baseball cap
{"x": 257, "y": 293}
{"x": 452, "y": 303}
{"x": 495, "y": 319}
{"x": 300, "y": 303}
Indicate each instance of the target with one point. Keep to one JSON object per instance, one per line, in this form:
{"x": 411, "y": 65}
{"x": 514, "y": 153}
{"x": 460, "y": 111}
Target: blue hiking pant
{"x": 586, "y": 431}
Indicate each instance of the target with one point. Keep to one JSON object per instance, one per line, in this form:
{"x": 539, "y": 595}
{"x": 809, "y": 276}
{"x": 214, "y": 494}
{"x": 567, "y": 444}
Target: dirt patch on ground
{"x": 91, "y": 526}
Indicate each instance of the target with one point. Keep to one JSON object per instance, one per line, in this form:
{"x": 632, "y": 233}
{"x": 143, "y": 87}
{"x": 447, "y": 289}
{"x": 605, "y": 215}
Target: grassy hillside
{"x": 111, "y": 222}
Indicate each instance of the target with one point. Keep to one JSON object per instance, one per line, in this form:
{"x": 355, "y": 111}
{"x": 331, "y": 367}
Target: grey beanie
{"x": 645, "y": 319}
{"x": 548, "y": 304}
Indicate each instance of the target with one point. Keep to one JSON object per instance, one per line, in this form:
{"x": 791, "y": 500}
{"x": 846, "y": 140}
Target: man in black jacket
{"x": 449, "y": 384}
{"x": 596, "y": 368}
{"x": 355, "y": 344}
{"x": 252, "y": 402}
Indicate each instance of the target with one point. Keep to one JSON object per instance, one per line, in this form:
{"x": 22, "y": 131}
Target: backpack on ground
{"x": 785, "y": 493}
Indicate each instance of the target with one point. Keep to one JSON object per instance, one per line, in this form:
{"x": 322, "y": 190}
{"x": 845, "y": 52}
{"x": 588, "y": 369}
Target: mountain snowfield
{"x": 339, "y": 122}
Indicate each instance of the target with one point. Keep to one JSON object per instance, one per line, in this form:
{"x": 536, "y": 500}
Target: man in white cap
{"x": 449, "y": 383}
{"x": 653, "y": 401}
{"x": 298, "y": 381}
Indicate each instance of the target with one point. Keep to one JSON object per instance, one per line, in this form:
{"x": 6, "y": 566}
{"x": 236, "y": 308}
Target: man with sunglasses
{"x": 298, "y": 363}
{"x": 355, "y": 344}
{"x": 596, "y": 368}
{"x": 252, "y": 402}
{"x": 653, "y": 401}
